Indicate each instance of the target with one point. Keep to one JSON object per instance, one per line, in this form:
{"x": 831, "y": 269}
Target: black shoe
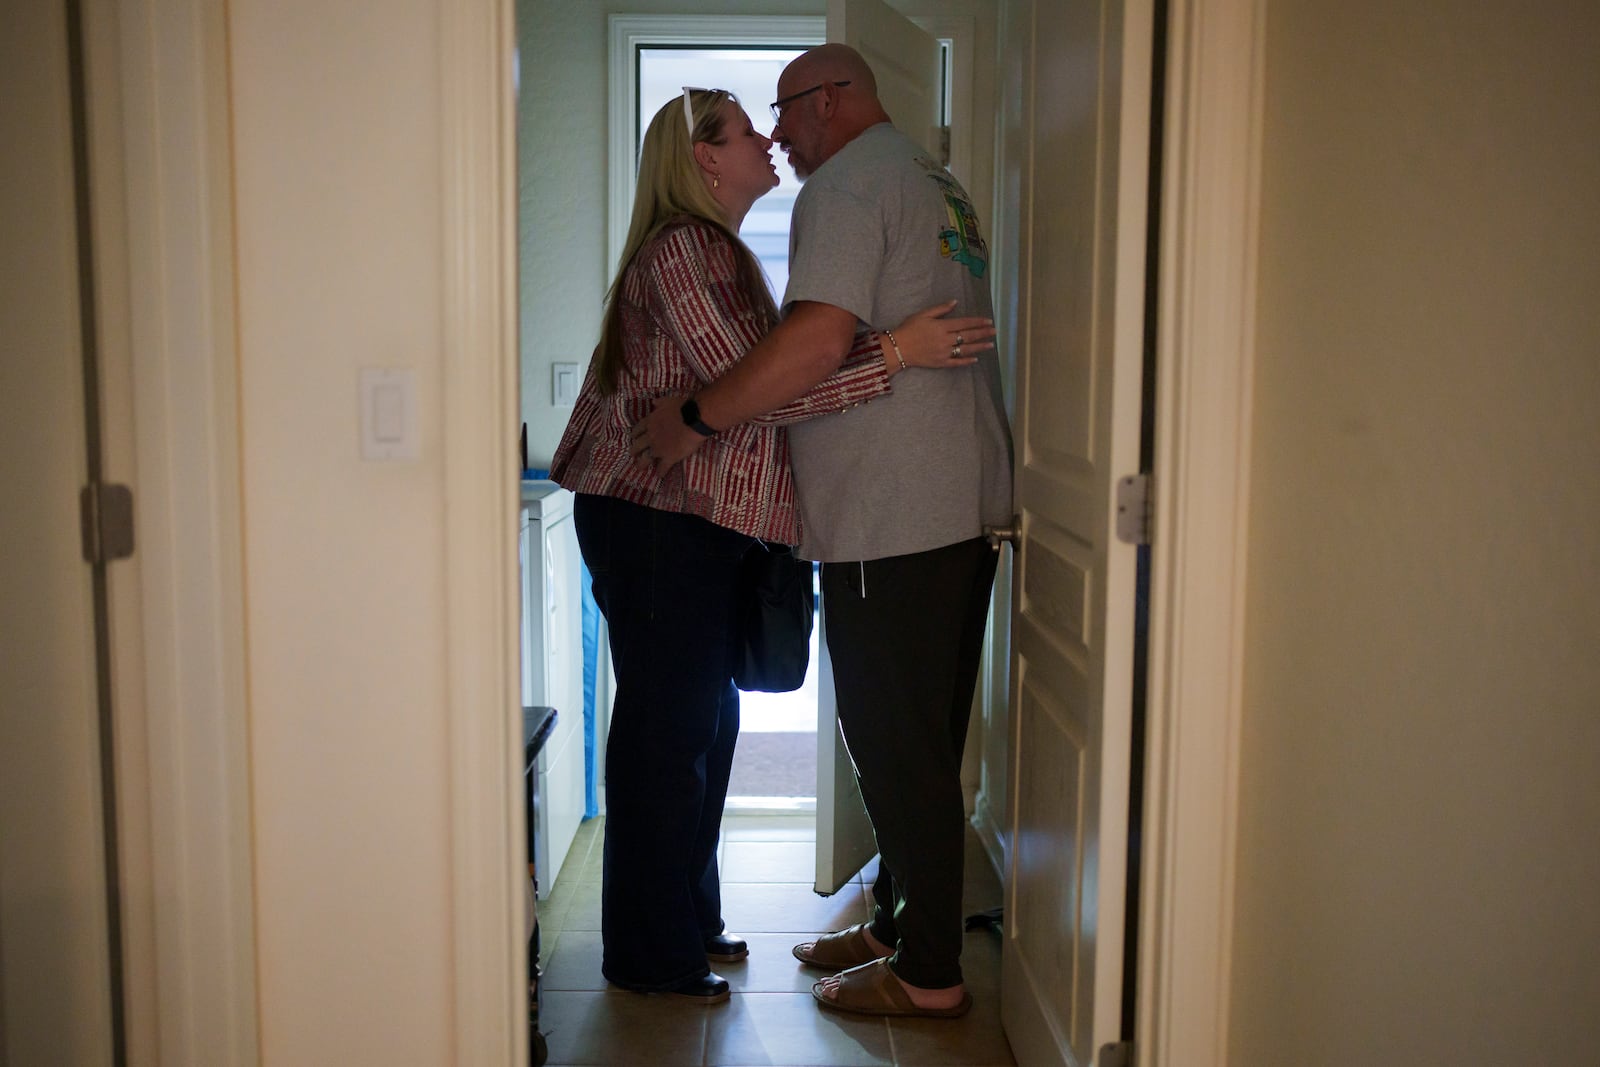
{"x": 707, "y": 989}
{"x": 725, "y": 948}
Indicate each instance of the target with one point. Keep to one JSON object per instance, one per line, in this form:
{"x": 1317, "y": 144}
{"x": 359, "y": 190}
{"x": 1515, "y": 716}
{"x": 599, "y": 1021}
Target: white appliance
{"x": 552, "y": 669}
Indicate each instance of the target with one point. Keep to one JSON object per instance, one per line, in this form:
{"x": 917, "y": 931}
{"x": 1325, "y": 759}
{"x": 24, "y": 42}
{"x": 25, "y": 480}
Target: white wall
{"x": 1418, "y": 855}
{"x": 339, "y": 222}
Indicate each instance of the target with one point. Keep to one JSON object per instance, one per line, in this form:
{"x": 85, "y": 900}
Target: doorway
{"x": 650, "y": 58}
{"x": 1012, "y": 272}
{"x": 1207, "y": 557}
{"x": 1196, "y": 604}
{"x": 775, "y": 764}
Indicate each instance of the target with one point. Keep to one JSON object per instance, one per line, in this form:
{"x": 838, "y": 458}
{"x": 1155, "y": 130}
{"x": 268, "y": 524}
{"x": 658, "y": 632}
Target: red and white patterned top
{"x": 685, "y": 323}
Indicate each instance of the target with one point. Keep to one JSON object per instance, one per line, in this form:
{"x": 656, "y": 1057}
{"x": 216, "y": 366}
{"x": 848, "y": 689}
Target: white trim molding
{"x": 960, "y": 33}
{"x": 481, "y": 499}
{"x": 1205, "y": 358}
{"x": 627, "y": 33}
{"x": 190, "y": 892}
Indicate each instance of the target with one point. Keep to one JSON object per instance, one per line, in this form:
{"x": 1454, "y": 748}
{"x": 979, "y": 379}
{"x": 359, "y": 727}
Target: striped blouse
{"x": 685, "y": 323}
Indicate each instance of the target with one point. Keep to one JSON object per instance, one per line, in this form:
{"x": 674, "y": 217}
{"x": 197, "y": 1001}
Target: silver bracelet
{"x": 896, "y": 346}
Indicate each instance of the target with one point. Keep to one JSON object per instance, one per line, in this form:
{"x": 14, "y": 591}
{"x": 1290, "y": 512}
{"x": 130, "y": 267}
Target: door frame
{"x": 1205, "y": 363}
{"x": 163, "y": 231}
{"x": 480, "y": 375}
{"x": 1210, "y": 200}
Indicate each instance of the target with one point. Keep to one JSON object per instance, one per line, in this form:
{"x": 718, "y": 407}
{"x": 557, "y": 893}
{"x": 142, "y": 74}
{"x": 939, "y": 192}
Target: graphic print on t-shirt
{"x": 959, "y": 238}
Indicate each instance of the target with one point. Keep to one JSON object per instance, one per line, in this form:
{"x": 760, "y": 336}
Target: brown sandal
{"x": 838, "y": 951}
{"x": 872, "y": 989}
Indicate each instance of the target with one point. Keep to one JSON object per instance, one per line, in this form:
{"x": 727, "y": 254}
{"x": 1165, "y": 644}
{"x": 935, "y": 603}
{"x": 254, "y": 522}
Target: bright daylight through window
{"x": 777, "y": 745}
{"x": 751, "y": 74}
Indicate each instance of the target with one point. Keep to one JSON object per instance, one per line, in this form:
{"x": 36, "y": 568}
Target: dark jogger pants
{"x": 905, "y": 635}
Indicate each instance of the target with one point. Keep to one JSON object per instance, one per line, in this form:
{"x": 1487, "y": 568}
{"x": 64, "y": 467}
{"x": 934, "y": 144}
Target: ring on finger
{"x": 955, "y": 353}
{"x": 958, "y": 340}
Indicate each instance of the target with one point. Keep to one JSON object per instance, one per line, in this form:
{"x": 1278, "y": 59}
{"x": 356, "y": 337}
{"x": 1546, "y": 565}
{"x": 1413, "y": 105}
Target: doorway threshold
{"x": 770, "y": 806}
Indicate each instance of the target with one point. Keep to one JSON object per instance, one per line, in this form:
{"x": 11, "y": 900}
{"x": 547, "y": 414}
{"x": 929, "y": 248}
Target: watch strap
{"x": 691, "y": 418}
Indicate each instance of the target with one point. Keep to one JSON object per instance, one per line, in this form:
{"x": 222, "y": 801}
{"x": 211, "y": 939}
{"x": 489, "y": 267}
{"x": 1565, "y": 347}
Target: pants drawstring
{"x": 863, "y": 565}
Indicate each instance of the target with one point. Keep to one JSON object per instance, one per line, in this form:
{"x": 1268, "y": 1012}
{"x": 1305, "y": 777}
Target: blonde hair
{"x": 670, "y": 187}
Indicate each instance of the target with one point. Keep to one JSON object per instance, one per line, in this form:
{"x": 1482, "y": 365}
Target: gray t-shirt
{"x": 882, "y": 231}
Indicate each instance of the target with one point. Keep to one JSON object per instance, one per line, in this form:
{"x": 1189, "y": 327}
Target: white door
{"x": 906, "y": 63}
{"x": 55, "y": 1003}
{"x": 1083, "y": 170}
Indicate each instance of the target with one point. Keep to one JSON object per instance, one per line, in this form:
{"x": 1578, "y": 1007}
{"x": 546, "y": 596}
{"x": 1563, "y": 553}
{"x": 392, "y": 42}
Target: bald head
{"x": 836, "y": 63}
{"x": 832, "y": 99}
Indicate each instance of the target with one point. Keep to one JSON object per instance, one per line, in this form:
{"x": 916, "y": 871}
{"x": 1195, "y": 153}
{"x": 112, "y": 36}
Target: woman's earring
{"x": 716, "y": 180}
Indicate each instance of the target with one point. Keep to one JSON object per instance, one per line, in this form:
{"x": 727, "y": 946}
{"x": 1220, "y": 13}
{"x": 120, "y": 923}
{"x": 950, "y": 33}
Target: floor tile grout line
{"x": 577, "y": 895}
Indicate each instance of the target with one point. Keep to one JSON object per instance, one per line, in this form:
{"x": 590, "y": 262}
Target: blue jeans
{"x": 665, "y": 583}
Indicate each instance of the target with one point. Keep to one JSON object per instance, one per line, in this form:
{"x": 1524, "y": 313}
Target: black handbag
{"x": 776, "y": 607}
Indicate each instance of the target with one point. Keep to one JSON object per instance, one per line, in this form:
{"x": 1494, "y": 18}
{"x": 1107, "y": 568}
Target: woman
{"x": 688, "y": 301}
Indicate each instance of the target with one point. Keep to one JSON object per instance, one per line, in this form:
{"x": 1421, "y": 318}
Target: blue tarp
{"x": 591, "y": 674}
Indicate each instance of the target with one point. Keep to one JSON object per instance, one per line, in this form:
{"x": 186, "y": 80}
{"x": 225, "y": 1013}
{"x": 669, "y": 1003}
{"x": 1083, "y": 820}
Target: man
{"x": 893, "y": 497}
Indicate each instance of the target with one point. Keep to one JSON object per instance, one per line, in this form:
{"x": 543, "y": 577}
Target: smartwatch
{"x": 691, "y": 418}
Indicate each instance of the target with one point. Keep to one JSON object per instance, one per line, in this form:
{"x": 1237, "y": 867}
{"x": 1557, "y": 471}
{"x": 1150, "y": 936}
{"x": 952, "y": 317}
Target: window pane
{"x": 751, "y": 74}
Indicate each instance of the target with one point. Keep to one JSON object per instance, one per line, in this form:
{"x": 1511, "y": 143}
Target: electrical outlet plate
{"x": 389, "y": 414}
{"x": 564, "y": 382}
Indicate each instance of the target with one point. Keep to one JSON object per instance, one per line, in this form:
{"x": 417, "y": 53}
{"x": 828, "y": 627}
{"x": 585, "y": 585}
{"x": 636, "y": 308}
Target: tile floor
{"x": 771, "y": 1019}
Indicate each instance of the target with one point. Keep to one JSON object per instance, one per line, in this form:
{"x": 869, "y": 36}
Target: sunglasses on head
{"x": 688, "y": 109}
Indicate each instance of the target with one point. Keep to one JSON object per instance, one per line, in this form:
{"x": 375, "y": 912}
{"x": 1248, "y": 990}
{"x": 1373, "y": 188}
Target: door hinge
{"x": 1133, "y": 509}
{"x": 1119, "y": 1054}
{"x": 106, "y": 515}
{"x": 944, "y": 146}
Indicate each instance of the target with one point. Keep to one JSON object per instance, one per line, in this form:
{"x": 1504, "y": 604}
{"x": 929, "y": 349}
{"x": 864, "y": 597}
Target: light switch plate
{"x": 389, "y": 414}
{"x": 564, "y": 382}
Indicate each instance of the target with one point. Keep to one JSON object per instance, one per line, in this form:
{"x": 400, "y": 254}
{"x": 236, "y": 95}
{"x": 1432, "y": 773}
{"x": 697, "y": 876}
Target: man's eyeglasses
{"x": 776, "y": 107}
{"x": 688, "y": 111}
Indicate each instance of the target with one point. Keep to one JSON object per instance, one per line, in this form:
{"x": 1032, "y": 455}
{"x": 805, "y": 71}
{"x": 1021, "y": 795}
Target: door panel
{"x": 54, "y": 945}
{"x": 906, "y": 63}
{"x": 1082, "y": 164}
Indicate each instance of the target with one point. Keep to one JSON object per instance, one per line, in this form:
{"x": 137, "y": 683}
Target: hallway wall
{"x": 338, "y": 153}
{"x": 1419, "y": 797}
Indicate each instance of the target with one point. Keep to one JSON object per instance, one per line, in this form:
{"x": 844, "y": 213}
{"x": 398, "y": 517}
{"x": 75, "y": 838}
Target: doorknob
{"x": 995, "y": 535}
